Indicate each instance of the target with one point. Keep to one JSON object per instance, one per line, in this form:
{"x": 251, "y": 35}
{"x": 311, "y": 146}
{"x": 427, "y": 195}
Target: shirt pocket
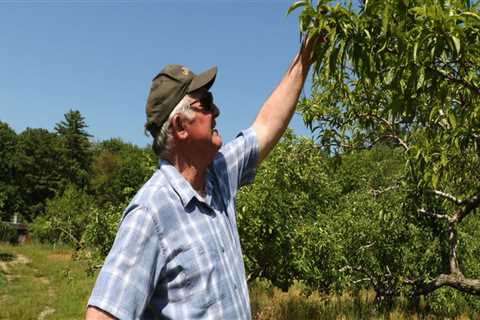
{"x": 192, "y": 276}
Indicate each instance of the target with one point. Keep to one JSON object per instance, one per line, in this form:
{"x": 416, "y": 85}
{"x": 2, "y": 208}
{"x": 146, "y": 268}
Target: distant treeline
{"x": 36, "y": 165}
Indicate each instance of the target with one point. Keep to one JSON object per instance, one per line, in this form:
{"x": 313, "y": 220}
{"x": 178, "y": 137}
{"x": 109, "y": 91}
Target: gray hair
{"x": 163, "y": 139}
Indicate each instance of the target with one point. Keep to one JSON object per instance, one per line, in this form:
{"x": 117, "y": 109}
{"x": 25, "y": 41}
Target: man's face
{"x": 205, "y": 137}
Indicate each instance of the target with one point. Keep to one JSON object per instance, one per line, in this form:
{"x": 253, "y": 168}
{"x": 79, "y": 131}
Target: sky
{"x": 99, "y": 57}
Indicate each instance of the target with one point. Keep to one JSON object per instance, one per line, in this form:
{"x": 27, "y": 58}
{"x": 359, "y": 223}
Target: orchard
{"x": 405, "y": 74}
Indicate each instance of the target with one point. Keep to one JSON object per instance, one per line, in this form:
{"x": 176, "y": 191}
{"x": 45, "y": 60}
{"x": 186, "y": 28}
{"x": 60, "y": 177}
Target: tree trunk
{"x": 455, "y": 279}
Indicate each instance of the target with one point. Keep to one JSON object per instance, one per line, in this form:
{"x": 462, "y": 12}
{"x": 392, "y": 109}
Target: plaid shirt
{"x": 177, "y": 255}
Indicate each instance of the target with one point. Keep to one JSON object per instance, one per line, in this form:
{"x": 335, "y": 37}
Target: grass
{"x": 40, "y": 281}
{"x": 43, "y": 282}
{"x": 268, "y": 302}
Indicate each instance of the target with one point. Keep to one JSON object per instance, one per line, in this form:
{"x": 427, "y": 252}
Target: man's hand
{"x": 307, "y": 48}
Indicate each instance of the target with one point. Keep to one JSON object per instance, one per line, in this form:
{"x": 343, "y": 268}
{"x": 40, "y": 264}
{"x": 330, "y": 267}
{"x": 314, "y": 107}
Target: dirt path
{"x": 7, "y": 265}
{"x": 46, "y": 312}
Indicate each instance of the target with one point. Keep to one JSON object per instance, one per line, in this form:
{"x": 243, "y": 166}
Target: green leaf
{"x": 369, "y": 37}
{"x": 456, "y": 42}
{"x": 296, "y": 5}
{"x": 432, "y": 52}
{"x": 341, "y": 53}
{"x": 444, "y": 159}
{"x": 385, "y": 18}
{"x": 435, "y": 180}
{"x": 389, "y": 77}
{"x": 452, "y": 119}
{"x": 396, "y": 106}
{"x": 417, "y": 11}
{"x": 332, "y": 61}
{"x": 421, "y": 78}
{"x": 383, "y": 47}
{"x": 471, "y": 14}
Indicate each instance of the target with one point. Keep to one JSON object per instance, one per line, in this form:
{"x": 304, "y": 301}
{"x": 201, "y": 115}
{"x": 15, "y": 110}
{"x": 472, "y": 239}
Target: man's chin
{"x": 218, "y": 144}
{"x": 216, "y": 138}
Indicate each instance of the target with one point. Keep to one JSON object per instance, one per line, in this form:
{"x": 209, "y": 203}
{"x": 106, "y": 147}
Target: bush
{"x": 8, "y": 233}
{"x": 73, "y": 219}
{"x": 65, "y": 218}
{"x": 285, "y": 200}
{"x": 99, "y": 234}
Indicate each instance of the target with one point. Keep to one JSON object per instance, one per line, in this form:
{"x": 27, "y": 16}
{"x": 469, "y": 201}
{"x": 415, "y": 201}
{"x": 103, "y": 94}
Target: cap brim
{"x": 204, "y": 79}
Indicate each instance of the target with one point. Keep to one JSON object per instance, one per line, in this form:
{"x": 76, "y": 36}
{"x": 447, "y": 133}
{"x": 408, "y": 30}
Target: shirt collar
{"x": 182, "y": 187}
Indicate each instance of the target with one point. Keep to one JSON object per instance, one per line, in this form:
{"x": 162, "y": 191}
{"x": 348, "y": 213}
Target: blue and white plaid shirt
{"x": 177, "y": 255}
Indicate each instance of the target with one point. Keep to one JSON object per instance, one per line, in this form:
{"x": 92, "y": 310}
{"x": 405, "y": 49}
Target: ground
{"x": 42, "y": 282}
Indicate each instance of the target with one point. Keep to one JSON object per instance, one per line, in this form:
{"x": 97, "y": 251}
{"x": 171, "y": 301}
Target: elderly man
{"x": 177, "y": 253}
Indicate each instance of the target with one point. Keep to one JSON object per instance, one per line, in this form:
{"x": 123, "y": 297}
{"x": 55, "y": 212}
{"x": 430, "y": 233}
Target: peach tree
{"x": 406, "y": 73}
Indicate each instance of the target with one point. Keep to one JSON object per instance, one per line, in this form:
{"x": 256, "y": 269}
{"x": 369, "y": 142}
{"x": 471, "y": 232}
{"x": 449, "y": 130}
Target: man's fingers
{"x": 309, "y": 44}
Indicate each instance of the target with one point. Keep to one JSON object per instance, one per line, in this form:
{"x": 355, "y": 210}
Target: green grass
{"x": 42, "y": 279}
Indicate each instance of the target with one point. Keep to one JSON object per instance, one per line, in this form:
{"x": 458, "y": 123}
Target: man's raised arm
{"x": 276, "y": 112}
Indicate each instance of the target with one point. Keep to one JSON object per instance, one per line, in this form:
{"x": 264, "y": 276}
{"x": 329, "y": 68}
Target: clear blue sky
{"x": 99, "y": 57}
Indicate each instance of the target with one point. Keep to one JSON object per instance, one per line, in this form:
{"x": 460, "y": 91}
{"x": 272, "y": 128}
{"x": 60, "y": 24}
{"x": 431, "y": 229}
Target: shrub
{"x": 99, "y": 234}
{"x": 65, "y": 218}
{"x": 7, "y": 233}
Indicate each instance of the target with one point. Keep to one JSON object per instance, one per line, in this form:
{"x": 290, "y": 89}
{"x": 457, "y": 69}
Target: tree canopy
{"x": 8, "y": 189}
{"x": 406, "y": 73}
{"x": 77, "y": 146}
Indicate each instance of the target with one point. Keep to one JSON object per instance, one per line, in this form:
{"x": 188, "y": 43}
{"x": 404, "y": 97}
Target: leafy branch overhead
{"x": 406, "y": 74}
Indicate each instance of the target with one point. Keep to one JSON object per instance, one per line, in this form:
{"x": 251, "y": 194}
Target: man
{"x": 177, "y": 252}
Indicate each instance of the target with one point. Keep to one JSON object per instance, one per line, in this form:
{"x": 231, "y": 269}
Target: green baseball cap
{"x": 169, "y": 87}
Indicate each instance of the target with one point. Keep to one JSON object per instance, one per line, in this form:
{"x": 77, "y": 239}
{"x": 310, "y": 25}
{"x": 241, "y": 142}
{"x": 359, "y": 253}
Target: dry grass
{"x": 271, "y": 303}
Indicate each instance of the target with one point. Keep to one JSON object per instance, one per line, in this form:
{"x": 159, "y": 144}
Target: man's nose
{"x": 215, "y": 110}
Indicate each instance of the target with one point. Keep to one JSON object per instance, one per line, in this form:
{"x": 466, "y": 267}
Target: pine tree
{"x": 77, "y": 145}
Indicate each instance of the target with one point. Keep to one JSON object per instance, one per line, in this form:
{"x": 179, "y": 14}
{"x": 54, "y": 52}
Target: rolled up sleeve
{"x": 239, "y": 159}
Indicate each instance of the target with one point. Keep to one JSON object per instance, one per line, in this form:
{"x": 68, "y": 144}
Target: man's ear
{"x": 178, "y": 126}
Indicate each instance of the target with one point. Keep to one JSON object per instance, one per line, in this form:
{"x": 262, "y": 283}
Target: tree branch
{"x": 402, "y": 143}
{"x": 445, "y": 195}
{"x": 361, "y": 280}
{"x": 449, "y": 77}
{"x": 470, "y": 205}
{"x": 453, "y": 243}
{"x": 394, "y": 137}
{"x": 457, "y": 281}
{"x": 372, "y": 115}
{"x": 433, "y": 215}
{"x": 376, "y": 192}
{"x": 371, "y": 244}
{"x": 361, "y": 270}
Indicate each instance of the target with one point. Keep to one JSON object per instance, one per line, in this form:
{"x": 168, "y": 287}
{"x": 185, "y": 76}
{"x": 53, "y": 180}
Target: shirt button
{"x": 222, "y": 248}
{"x": 235, "y": 286}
